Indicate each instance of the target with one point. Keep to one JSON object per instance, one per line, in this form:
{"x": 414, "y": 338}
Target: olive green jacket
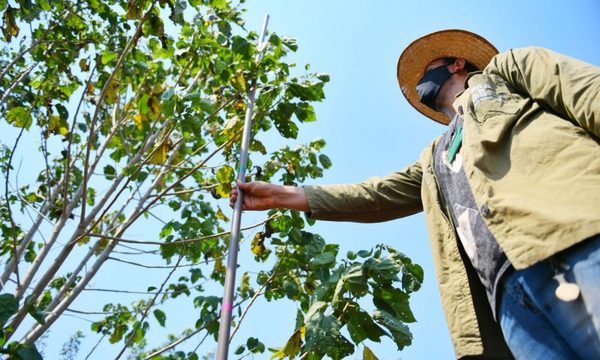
{"x": 532, "y": 157}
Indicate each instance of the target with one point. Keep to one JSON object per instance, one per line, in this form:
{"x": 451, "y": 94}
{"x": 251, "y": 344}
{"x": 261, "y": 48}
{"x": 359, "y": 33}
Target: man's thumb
{"x": 243, "y": 185}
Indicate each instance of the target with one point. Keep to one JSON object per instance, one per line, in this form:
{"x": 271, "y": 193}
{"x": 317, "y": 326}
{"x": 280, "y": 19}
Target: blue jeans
{"x": 538, "y": 325}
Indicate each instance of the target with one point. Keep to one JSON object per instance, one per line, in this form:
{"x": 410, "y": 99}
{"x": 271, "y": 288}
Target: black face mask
{"x": 430, "y": 84}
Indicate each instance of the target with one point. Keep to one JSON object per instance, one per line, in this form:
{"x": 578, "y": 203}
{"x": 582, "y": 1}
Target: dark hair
{"x": 468, "y": 66}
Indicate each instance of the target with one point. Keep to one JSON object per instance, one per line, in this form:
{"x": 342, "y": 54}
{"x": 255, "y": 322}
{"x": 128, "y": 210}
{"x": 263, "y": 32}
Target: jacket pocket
{"x": 491, "y": 97}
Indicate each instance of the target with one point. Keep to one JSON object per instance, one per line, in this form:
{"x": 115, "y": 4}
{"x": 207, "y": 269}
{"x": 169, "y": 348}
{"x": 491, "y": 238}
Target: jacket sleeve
{"x": 374, "y": 200}
{"x": 569, "y": 87}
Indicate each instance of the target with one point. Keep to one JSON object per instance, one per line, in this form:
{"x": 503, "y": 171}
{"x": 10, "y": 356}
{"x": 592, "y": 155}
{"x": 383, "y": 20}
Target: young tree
{"x": 128, "y": 116}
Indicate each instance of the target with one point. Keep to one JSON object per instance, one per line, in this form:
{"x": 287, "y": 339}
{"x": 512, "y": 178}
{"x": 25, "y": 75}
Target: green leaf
{"x": 109, "y": 172}
{"x": 196, "y": 275}
{"x": 19, "y": 116}
{"x": 307, "y": 91}
{"x": 394, "y": 301}
{"x": 28, "y": 352}
{"x": 290, "y": 43}
{"x": 400, "y": 332}
{"x": 323, "y": 337}
{"x": 240, "y": 350}
{"x": 34, "y": 311}
{"x": 412, "y": 276}
{"x": 323, "y": 259}
{"x": 160, "y": 317}
{"x": 240, "y": 45}
{"x": 8, "y": 307}
{"x": 383, "y": 271}
{"x": 287, "y": 129}
{"x": 44, "y": 5}
{"x": 325, "y": 161}
{"x": 361, "y": 325}
{"x": 108, "y": 56}
{"x": 254, "y": 345}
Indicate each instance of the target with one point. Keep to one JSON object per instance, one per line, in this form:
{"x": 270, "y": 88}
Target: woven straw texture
{"x": 446, "y": 43}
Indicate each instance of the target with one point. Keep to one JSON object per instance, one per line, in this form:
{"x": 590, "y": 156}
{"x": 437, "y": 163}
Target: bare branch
{"x": 175, "y": 343}
{"x": 160, "y": 266}
{"x": 95, "y": 347}
{"x": 8, "y": 208}
{"x": 150, "y": 305}
{"x": 138, "y": 292}
{"x": 33, "y": 334}
{"x": 100, "y": 100}
{"x": 35, "y": 43}
{"x": 16, "y": 82}
{"x": 256, "y": 295}
{"x": 182, "y": 242}
{"x": 71, "y": 131}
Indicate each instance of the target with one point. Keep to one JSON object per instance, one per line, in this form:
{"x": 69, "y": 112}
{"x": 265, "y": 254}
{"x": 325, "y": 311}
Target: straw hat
{"x": 446, "y": 43}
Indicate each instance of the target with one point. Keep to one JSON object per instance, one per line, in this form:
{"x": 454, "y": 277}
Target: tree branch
{"x": 149, "y": 306}
{"x": 182, "y": 242}
{"x": 256, "y": 295}
{"x": 9, "y": 210}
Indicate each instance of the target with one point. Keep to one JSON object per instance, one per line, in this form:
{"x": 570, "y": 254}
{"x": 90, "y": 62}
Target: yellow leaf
{"x": 83, "y": 65}
{"x": 84, "y": 240}
{"x": 133, "y": 9}
{"x": 258, "y": 245}
{"x": 368, "y": 354}
{"x": 57, "y": 125}
{"x": 112, "y": 91}
{"x": 239, "y": 81}
{"x": 154, "y": 105}
{"x": 240, "y": 105}
{"x": 159, "y": 153}
{"x": 221, "y": 215}
{"x": 9, "y": 28}
{"x": 139, "y": 120}
{"x": 277, "y": 355}
{"x": 90, "y": 89}
{"x": 292, "y": 347}
{"x": 219, "y": 268}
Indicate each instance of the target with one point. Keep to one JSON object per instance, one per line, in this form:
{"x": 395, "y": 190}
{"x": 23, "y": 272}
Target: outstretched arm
{"x": 259, "y": 195}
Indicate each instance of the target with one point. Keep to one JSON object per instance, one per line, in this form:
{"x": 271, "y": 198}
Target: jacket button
{"x": 485, "y": 211}
{"x": 460, "y": 109}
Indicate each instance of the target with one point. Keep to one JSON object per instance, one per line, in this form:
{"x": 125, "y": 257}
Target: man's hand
{"x": 259, "y": 195}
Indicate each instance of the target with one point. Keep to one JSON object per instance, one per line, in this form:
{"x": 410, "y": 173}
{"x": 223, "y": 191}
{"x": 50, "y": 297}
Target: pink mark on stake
{"x": 227, "y": 307}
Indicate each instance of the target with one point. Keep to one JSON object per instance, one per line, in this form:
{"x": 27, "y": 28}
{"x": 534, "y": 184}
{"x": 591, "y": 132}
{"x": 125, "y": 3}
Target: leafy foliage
{"x": 129, "y": 114}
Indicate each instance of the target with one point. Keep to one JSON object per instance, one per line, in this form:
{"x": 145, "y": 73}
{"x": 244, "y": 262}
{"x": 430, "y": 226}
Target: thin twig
{"x": 95, "y": 346}
{"x": 160, "y": 266}
{"x": 8, "y": 208}
{"x": 181, "y": 242}
{"x": 100, "y": 100}
{"x": 179, "y": 341}
{"x": 175, "y": 343}
{"x": 15, "y": 82}
{"x": 149, "y": 306}
{"x": 137, "y": 292}
{"x": 256, "y": 295}
{"x": 71, "y": 131}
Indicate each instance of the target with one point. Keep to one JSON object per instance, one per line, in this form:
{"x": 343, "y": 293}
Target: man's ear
{"x": 457, "y": 65}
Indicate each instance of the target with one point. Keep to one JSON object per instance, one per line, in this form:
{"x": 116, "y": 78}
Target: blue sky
{"x": 370, "y": 128}
{"x": 371, "y": 131}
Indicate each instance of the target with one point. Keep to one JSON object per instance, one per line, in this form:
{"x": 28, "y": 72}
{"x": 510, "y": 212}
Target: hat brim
{"x": 446, "y": 43}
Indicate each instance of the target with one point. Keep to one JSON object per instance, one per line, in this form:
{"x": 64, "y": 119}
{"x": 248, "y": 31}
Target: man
{"x": 511, "y": 194}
